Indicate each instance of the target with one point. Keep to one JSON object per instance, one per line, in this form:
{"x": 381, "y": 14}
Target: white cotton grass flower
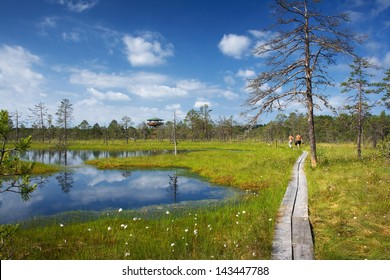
{"x": 61, "y": 225}
{"x": 120, "y": 210}
{"x": 195, "y": 232}
{"x": 167, "y": 212}
{"x": 172, "y": 244}
{"x": 109, "y": 228}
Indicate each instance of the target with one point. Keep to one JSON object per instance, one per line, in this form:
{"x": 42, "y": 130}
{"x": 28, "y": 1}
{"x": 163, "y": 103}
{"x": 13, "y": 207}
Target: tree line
{"x": 198, "y": 125}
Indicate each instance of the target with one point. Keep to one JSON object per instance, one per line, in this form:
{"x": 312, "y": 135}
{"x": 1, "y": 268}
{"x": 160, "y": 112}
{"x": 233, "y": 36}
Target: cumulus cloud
{"x": 246, "y": 74}
{"x": 16, "y": 71}
{"x": 200, "y": 103}
{"x": 234, "y": 45}
{"x": 147, "y": 49}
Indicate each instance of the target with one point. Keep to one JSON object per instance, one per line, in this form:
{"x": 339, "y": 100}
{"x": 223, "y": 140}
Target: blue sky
{"x": 150, "y": 58}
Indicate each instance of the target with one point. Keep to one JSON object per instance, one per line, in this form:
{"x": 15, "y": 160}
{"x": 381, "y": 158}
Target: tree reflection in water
{"x": 65, "y": 180}
{"x": 173, "y": 188}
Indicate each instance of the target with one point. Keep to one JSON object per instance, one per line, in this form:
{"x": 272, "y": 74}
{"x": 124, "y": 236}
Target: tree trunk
{"x": 309, "y": 93}
{"x": 312, "y": 136}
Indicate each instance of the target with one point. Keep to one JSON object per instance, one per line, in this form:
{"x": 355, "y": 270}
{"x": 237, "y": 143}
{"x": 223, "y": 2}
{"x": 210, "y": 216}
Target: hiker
{"x": 298, "y": 140}
{"x": 290, "y": 140}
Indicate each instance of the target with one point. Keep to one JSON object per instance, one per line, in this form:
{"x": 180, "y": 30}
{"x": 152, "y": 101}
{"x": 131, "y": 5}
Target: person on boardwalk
{"x": 298, "y": 140}
{"x": 290, "y": 140}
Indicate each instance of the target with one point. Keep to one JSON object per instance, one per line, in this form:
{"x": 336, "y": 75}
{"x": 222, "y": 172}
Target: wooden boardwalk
{"x": 293, "y": 238}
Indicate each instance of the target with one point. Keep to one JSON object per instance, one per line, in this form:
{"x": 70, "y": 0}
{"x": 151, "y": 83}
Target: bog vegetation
{"x": 348, "y": 206}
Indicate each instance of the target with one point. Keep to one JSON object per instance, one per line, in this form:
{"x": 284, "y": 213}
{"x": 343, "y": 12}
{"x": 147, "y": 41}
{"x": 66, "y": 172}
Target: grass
{"x": 237, "y": 229}
{"x": 349, "y": 202}
{"x": 40, "y": 168}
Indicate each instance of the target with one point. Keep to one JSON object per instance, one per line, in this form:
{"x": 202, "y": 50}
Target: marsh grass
{"x": 235, "y": 229}
{"x": 349, "y": 201}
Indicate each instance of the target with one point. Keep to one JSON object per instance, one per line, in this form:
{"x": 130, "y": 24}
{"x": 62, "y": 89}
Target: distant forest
{"x": 197, "y": 126}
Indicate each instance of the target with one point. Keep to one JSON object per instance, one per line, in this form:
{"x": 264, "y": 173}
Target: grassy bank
{"x": 239, "y": 229}
{"x": 349, "y": 201}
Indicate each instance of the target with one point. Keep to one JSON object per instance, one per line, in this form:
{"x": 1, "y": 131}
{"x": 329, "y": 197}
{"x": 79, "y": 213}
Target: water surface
{"x": 85, "y": 188}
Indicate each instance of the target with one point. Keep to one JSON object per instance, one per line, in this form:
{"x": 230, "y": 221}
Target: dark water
{"x": 85, "y": 188}
{"x": 79, "y": 157}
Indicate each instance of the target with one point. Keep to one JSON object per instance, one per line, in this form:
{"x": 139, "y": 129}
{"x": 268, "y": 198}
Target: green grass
{"x": 349, "y": 204}
{"x": 349, "y": 201}
{"x": 236, "y": 229}
{"x": 41, "y": 168}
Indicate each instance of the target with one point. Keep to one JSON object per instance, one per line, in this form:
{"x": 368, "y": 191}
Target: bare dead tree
{"x": 39, "y": 113}
{"x": 297, "y": 55}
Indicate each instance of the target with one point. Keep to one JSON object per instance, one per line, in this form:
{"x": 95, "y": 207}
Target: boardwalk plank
{"x": 293, "y": 237}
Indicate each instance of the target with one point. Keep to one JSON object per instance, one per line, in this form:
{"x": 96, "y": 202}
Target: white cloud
{"x": 229, "y": 79}
{"x": 109, "y": 95}
{"x": 171, "y": 107}
{"x": 16, "y": 71}
{"x": 380, "y": 6}
{"x": 229, "y": 95}
{"x": 71, "y": 36}
{"x": 234, "y": 45}
{"x": 258, "y": 34}
{"x": 190, "y": 85}
{"x": 77, "y": 6}
{"x": 146, "y": 50}
{"x": 386, "y": 60}
{"x": 246, "y": 74}
{"x": 200, "y": 103}
{"x": 143, "y": 84}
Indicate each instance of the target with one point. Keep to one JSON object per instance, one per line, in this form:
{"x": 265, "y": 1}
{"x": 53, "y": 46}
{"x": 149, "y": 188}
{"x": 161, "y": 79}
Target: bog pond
{"x": 84, "y": 188}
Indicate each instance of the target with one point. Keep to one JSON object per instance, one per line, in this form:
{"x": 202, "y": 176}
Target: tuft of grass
{"x": 349, "y": 202}
{"x": 40, "y": 168}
